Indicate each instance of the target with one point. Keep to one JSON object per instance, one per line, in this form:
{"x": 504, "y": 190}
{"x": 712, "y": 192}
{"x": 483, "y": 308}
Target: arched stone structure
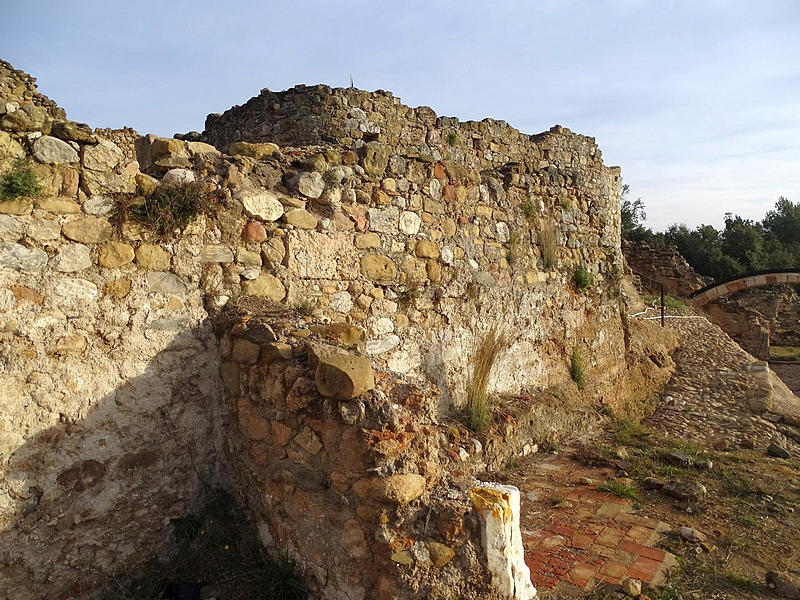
{"x": 719, "y": 289}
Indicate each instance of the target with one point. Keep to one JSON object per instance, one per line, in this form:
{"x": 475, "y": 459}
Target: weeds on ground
{"x": 488, "y": 351}
{"x": 306, "y": 307}
{"x": 547, "y": 244}
{"x": 785, "y": 352}
{"x": 622, "y": 490}
{"x": 576, "y": 368}
{"x": 172, "y": 206}
{"x": 19, "y": 182}
{"x": 631, "y": 433}
{"x": 216, "y": 547}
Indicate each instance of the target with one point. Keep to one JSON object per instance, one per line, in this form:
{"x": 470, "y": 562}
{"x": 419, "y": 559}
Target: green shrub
{"x": 19, "y": 182}
{"x": 331, "y": 178}
{"x": 452, "y": 138}
{"x": 583, "y": 278}
{"x": 486, "y": 354}
{"x": 576, "y": 368}
{"x": 172, "y": 206}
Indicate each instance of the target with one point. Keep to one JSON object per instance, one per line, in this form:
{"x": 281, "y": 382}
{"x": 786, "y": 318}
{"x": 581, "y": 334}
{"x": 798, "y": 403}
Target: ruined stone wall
{"x": 420, "y": 240}
{"x": 655, "y": 266}
{"x": 779, "y": 305}
{"x": 747, "y": 327}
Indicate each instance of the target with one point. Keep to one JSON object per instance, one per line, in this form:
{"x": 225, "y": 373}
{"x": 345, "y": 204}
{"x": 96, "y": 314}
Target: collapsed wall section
{"x": 420, "y": 240}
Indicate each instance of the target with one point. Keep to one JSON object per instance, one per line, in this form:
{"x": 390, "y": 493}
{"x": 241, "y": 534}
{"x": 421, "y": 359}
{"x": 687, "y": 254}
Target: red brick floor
{"x": 591, "y": 538}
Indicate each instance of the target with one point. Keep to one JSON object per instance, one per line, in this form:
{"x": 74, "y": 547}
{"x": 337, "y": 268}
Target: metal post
{"x": 662, "y": 304}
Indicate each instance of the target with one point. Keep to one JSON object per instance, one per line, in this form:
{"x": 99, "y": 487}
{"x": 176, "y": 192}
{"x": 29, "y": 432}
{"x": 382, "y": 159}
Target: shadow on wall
{"x": 87, "y": 497}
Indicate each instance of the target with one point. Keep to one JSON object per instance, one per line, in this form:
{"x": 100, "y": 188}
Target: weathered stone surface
{"x": 257, "y": 151}
{"x": 174, "y": 176}
{"x": 53, "y": 151}
{"x": 376, "y": 157}
{"x": 104, "y": 156}
{"x": 378, "y": 268}
{"x": 215, "y": 253}
{"x": 367, "y": 240}
{"x": 165, "y": 283}
{"x": 384, "y": 220}
{"x": 266, "y": 285}
{"x": 343, "y": 376}
{"x": 201, "y": 148}
{"x": 18, "y": 257}
{"x": 498, "y": 507}
{"x": 311, "y": 185}
{"x": 87, "y": 230}
{"x": 410, "y": 223}
{"x": 440, "y": 553}
{"x": 300, "y": 218}
{"x": 73, "y": 132}
{"x": 11, "y": 229}
{"x": 262, "y": 204}
{"x": 10, "y": 150}
{"x": 42, "y": 229}
{"x": 115, "y": 254}
{"x": 387, "y": 344}
{"x": 59, "y": 206}
{"x": 342, "y": 334}
{"x": 72, "y": 257}
{"x": 161, "y": 147}
{"x": 315, "y": 255}
{"x": 99, "y": 205}
{"x": 426, "y": 249}
{"x": 153, "y": 257}
{"x": 100, "y": 183}
{"x": 19, "y": 206}
{"x": 395, "y": 489}
{"x": 254, "y": 232}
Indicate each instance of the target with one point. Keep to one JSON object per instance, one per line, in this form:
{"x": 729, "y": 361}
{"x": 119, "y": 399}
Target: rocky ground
{"x": 699, "y": 501}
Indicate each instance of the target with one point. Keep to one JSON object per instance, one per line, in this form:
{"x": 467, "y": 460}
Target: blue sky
{"x": 698, "y": 102}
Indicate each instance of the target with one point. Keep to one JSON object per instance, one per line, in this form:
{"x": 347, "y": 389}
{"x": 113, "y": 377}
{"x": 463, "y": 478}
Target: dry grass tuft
{"x": 488, "y": 351}
{"x": 547, "y": 244}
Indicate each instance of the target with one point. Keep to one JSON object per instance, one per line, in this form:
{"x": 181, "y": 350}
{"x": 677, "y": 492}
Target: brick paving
{"x": 588, "y": 537}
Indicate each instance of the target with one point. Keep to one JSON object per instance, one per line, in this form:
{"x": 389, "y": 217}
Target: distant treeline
{"x": 742, "y": 246}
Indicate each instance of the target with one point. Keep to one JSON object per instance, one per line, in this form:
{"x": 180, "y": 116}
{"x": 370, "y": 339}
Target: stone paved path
{"x": 708, "y": 398}
{"x": 576, "y": 535}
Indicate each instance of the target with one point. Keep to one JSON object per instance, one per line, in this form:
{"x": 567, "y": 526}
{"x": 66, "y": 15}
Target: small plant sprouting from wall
{"x": 306, "y": 307}
{"x": 19, "y": 182}
{"x": 576, "y": 368}
{"x": 529, "y": 209}
{"x": 583, "y": 278}
{"x": 452, "y": 138}
{"x": 547, "y": 245}
{"x": 331, "y": 178}
{"x": 172, "y": 206}
{"x": 487, "y": 352}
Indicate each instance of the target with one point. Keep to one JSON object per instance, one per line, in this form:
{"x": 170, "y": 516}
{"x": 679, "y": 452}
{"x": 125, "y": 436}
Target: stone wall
{"x": 779, "y": 305}
{"x": 655, "y": 266}
{"x": 747, "y": 327}
{"x": 409, "y": 241}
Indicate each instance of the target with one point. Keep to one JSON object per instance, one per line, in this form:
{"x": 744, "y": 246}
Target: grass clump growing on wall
{"x": 171, "y": 206}
{"x": 547, "y": 245}
{"x": 486, "y": 354}
{"x": 529, "y": 209}
{"x": 19, "y": 182}
{"x": 452, "y": 138}
{"x": 583, "y": 278}
{"x": 576, "y": 368}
